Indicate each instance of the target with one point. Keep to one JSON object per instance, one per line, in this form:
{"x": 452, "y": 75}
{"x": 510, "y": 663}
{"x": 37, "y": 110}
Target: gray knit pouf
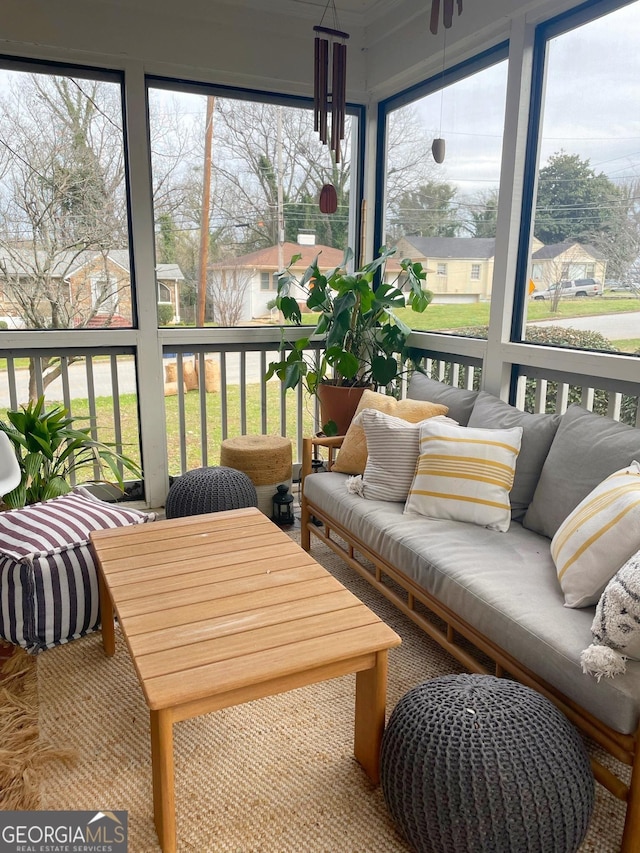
{"x": 209, "y": 490}
{"x": 478, "y": 764}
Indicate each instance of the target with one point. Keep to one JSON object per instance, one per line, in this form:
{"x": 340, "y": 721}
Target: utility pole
{"x": 204, "y": 221}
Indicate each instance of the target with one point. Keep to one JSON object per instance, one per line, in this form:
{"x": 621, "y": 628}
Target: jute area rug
{"x": 275, "y": 775}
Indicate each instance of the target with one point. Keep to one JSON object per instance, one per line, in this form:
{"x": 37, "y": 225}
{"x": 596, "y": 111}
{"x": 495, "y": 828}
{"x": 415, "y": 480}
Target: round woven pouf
{"x": 209, "y": 490}
{"x": 266, "y": 459}
{"x": 478, "y": 764}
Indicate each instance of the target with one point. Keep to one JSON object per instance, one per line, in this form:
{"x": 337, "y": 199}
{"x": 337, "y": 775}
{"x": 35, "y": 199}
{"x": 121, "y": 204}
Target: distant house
{"x": 461, "y": 268}
{"x": 93, "y": 289}
{"x": 566, "y": 261}
{"x": 253, "y": 278}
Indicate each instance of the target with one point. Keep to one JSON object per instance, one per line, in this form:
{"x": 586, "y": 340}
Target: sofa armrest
{"x": 332, "y": 443}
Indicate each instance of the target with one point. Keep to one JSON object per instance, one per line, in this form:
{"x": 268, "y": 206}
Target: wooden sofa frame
{"x": 455, "y": 636}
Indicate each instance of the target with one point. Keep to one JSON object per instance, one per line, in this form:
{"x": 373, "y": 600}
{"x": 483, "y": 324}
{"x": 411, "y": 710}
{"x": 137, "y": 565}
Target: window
{"x": 585, "y": 214}
{"x": 447, "y": 210}
{"x": 104, "y": 292}
{"x": 267, "y": 167}
{"x": 164, "y": 294}
{"x": 64, "y": 238}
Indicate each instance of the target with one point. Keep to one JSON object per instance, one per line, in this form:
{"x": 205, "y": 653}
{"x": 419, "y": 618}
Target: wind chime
{"x": 330, "y": 82}
{"x": 447, "y": 14}
{"x": 438, "y": 145}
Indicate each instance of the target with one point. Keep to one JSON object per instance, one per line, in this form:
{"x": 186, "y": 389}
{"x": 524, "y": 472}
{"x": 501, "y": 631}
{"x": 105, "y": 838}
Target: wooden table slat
{"x": 204, "y": 575}
{"x": 172, "y": 618}
{"x": 122, "y": 558}
{"x": 194, "y": 559}
{"x": 189, "y": 685}
{"x": 235, "y": 647}
{"x": 239, "y": 620}
{"x": 192, "y": 595}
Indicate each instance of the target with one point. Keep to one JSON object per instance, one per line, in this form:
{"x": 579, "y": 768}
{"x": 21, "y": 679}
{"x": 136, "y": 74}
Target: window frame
{"x": 544, "y": 33}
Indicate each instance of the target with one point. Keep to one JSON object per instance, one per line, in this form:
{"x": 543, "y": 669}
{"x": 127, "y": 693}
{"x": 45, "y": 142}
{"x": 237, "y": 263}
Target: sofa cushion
{"x": 48, "y": 579}
{"x": 459, "y": 401}
{"x": 465, "y": 474}
{"x": 392, "y": 446}
{"x": 503, "y": 585}
{"x": 538, "y": 432}
{"x": 585, "y": 450}
{"x": 352, "y": 457}
{"x": 598, "y": 537}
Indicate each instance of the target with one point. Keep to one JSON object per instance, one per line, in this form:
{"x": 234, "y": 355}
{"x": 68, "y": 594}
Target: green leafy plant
{"x": 365, "y": 340}
{"x": 49, "y": 449}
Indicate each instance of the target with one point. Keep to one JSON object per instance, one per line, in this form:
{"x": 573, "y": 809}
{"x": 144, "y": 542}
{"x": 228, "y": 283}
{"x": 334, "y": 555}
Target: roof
{"x": 68, "y": 263}
{"x": 268, "y": 258}
{"x": 554, "y": 250}
{"x": 461, "y": 248}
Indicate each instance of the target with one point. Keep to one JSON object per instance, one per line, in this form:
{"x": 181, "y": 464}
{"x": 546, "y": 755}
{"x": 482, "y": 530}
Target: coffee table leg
{"x": 371, "y": 699}
{"x": 164, "y": 806}
{"x": 106, "y": 618}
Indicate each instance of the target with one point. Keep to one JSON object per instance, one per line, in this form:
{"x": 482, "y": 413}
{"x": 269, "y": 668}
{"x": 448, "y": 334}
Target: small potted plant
{"x": 365, "y": 340}
{"x": 49, "y": 449}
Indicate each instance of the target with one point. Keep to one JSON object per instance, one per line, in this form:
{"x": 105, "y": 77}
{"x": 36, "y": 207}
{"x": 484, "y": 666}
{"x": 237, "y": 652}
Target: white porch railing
{"x": 101, "y": 384}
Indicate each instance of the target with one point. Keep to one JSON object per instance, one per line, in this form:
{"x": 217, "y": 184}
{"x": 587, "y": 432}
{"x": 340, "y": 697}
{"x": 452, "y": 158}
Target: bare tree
{"x": 228, "y": 289}
{"x": 62, "y": 185}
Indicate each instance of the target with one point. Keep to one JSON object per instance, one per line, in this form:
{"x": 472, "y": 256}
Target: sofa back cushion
{"x": 585, "y": 450}
{"x": 538, "y": 432}
{"x": 458, "y": 401}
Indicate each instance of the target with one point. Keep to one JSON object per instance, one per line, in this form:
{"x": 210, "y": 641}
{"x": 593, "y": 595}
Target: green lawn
{"x": 129, "y": 412}
{"x": 447, "y": 317}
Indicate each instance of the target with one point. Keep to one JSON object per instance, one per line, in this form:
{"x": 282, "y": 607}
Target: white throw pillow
{"x": 616, "y": 625}
{"x": 392, "y": 445}
{"x": 601, "y": 533}
{"x": 465, "y": 473}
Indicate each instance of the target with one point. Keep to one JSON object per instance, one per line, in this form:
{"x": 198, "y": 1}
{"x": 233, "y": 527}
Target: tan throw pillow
{"x": 352, "y": 457}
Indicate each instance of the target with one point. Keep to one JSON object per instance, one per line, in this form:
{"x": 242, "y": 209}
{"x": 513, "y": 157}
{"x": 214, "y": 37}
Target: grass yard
{"x": 448, "y": 317}
{"x": 193, "y": 435}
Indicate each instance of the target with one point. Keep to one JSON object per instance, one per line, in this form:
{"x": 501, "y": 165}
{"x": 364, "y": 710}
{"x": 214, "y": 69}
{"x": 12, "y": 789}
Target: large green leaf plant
{"x": 364, "y": 338}
{"x": 49, "y": 449}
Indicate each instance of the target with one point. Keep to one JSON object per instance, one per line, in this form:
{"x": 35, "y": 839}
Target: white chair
{"x": 10, "y": 473}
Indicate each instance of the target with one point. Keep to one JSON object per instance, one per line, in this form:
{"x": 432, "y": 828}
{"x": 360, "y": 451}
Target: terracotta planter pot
{"x": 338, "y": 403}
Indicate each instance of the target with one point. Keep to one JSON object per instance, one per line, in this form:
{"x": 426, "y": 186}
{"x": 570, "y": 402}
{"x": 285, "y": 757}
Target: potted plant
{"x": 365, "y": 340}
{"x": 49, "y": 448}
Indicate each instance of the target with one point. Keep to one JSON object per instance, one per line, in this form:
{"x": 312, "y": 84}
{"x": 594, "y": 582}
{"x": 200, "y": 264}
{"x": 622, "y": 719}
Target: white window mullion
{"x": 149, "y": 349}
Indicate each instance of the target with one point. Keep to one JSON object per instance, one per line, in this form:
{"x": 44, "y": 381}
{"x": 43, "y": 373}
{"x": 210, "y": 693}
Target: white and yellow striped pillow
{"x": 465, "y": 473}
{"x": 598, "y": 537}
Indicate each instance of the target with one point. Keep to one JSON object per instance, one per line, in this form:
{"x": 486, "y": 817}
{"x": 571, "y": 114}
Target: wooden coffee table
{"x": 224, "y": 608}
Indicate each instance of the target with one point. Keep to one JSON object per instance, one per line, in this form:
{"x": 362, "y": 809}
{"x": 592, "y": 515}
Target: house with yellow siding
{"x": 460, "y": 268}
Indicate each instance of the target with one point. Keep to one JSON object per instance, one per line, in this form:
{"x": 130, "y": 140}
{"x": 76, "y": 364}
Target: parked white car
{"x": 576, "y": 287}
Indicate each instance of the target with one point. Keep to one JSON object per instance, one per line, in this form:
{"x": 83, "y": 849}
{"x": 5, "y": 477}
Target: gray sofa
{"x": 500, "y": 590}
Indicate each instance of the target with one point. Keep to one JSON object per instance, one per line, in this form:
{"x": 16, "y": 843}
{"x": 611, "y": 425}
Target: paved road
{"x": 126, "y": 378}
{"x": 612, "y": 326}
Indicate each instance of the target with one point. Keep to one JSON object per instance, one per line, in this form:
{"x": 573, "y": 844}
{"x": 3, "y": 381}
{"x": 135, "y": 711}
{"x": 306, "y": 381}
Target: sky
{"x": 592, "y": 106}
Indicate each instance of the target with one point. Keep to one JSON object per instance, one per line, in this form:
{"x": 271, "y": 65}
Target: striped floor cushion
{"x": 48, "y": 581}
